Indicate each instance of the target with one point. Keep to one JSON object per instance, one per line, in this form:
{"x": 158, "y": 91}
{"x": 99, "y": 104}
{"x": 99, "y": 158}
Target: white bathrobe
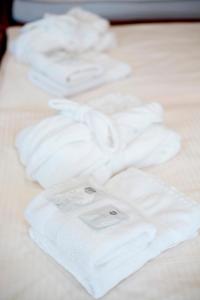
{"x": 102, "y": 235}
{"x": 76, "y": 31}
{"x": 81, "y": 140}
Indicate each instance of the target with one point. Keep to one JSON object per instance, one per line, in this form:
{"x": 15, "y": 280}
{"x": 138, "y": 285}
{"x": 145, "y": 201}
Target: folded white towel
{"x": 82, "y": 140}
{"x": 102, "y": 239}
{"x": 77, "y": 31}
{"x": 62, "y": 74}
{"x": 65, "y": 68}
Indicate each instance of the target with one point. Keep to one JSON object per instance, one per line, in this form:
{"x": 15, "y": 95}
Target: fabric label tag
{"x": 62, "y": 57}
{"x": 80, "y": 196}
{"x": 103, "y": 217}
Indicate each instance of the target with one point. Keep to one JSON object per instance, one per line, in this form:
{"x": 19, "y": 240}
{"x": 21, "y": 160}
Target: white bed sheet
{"x": 166, "y": 68}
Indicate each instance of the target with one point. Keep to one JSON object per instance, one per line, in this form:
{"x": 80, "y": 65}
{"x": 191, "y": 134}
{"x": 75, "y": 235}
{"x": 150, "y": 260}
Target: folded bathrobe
{"x": 81, "y": 140}
{"x": 103, "y": 235}
{"x": 63, "y": 74}
{"x": 76, "y": 31}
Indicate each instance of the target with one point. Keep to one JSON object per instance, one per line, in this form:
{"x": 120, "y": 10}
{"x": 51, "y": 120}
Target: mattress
{"x": 166, "y": 68}
{"x": 29, "y": 10}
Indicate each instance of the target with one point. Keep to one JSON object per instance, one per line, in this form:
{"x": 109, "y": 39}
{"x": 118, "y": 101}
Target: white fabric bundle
{"x": 63, "y": 74}
{"x": 102, "y": 237}
{"x": 82, "y": 140}
{"x": 76, "y": 31}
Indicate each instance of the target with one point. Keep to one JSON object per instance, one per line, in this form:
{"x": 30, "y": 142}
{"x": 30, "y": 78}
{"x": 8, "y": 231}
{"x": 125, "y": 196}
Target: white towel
{"x": 103, "y": 236}
{"x": 61, "y": 74}
{"x": 84, "y": 141}
{"x": 65, "y": 68}
{"x": 76, "y": 32}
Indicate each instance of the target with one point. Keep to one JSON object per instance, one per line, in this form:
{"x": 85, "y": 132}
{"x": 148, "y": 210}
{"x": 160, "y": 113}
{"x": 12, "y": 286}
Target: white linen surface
{"x": 82, "y": 234}
{"x": 166, "y": 63}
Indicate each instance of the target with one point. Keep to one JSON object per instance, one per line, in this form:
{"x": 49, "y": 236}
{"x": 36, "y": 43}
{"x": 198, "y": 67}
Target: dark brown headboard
{"x": 5, "y": 21}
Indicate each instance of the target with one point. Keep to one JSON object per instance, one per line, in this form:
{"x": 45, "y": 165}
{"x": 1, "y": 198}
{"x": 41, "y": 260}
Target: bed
{"x": 166, "y": 68}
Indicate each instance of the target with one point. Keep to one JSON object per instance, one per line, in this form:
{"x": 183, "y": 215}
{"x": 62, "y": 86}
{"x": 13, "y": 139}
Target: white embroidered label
{"x": 75, "y": 197}
{"x": 103, "y": 217}
{"x": 59, "y": 56}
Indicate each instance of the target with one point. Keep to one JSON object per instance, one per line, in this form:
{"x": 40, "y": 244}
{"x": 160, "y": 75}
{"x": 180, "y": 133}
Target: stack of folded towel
{"x": 64, "y": 52}
{"x": 102, "y": 235}
{"x": 101, "y": 142}
{"x": 63, "y": 74}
